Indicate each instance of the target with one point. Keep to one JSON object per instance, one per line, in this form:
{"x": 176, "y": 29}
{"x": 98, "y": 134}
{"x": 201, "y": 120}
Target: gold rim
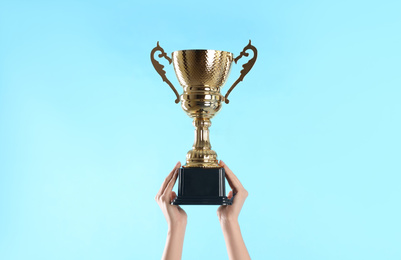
{"x": 201, "y": 50}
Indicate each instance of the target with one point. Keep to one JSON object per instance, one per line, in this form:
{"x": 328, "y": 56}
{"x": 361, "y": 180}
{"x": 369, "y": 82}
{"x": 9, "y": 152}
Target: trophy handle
{"x": 246, "y": 67}
{"x": 159, "y": 68}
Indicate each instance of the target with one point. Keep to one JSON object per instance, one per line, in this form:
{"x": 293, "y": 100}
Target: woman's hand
{"x": 231, "y": 212}
{"x": 228, "y": 216}
{"x": 174, "y": 215}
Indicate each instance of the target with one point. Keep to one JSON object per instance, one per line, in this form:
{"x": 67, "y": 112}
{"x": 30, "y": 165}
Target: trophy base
{"x": 179, "y": 200}
{"x": 201, "y": 186}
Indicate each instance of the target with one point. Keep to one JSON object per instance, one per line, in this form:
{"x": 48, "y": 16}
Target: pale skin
{"x": 228, "y": 217}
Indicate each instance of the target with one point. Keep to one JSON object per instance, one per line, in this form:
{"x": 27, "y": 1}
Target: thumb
{"x": 173, "y": 195}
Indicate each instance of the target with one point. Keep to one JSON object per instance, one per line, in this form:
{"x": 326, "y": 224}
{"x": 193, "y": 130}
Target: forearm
{"x": 234, "y": 242}
{"x": 174, "y": 243}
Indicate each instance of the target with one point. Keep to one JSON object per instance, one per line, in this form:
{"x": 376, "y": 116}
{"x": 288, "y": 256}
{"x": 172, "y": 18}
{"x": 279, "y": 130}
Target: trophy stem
{"x": 202, "y": 133}
{"x": 201, "y": 154}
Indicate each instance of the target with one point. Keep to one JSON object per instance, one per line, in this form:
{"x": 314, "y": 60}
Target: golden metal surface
{"x": 202, "y": 74}
{"x": 159, "y": 68}
{"x": 247, "y": 66}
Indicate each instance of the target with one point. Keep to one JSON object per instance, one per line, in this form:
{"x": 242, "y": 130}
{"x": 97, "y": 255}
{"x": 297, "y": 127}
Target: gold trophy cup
{"x": 202, "y": 73}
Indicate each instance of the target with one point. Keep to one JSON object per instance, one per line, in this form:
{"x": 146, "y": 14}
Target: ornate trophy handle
{"x": 159, "y": 68}
{"x": 246, "y": 67}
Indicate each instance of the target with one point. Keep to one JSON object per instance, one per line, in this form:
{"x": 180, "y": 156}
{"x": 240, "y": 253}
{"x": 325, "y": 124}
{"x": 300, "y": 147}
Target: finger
{"x": 170, "y": 185}
{"x": 228, "y": 180}
{"x": 231, "y": 177}
{"x": 173, "y": 195}
{"x": 168, "y": 178}
{"x": 230, "y": 194}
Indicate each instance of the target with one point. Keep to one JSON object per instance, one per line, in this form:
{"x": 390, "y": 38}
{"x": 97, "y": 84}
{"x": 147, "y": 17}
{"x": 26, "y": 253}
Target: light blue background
{"x": 88, "y": 130}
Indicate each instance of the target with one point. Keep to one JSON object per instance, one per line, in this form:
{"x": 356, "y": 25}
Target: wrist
{"x": 224, "y": 219}
{"x": 177, "y": 226}
{"x": 229, "y": 222}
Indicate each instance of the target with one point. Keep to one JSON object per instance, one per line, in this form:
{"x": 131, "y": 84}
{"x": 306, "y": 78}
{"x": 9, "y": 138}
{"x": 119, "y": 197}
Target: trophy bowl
{"x": 202, "y": 73}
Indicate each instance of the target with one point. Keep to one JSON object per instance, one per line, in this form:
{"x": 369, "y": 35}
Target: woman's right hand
{"x": 174, "y": 215}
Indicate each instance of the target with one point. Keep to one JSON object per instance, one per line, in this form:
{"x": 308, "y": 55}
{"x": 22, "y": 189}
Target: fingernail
{"x": 177, "y": 164}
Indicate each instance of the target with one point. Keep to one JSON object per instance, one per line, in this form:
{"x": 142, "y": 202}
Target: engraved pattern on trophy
{"x": 246, "y": 67}
{"x": 159, "y": 68}
{"x": 202, "y": 73}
